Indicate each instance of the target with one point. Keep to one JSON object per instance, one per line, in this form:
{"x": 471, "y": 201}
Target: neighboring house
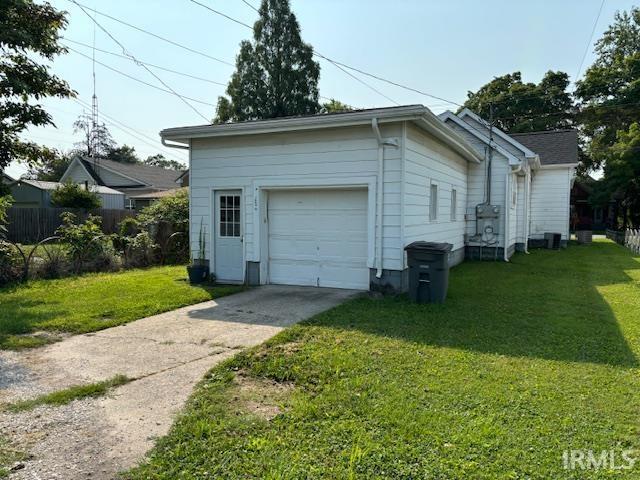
{"x": 584, "y": 215}
{"x": 132, "y": 179}
{"x": 4, "y": 178}
{"x": 332, "y": 200}
{"x": 552, "y": 182}
{"x": 37, "y": 194}
{"x": 183, "y": 179}
{"x": 146, "y": 199}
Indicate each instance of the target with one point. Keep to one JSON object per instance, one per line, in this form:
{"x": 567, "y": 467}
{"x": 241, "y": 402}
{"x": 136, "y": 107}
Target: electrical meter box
{"x": 487, "y": 219}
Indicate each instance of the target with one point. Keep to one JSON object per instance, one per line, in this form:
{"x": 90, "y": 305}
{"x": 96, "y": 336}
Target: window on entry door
{"x": 229, "y": 215}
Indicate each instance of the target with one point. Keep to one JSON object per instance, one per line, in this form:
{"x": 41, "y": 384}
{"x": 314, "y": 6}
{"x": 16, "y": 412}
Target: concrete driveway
{"x": 167, "y": 354}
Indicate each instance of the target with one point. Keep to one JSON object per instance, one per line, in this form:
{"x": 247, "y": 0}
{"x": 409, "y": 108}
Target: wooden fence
{"x": 30, "y": 225}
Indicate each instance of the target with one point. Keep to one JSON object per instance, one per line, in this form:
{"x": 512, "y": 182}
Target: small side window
{"x": 454, "y": 204}
{"x": 514, "y": 192}
{"x": 433, "y": 202}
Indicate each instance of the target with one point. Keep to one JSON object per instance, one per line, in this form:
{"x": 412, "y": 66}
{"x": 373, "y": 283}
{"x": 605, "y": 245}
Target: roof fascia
{"x": 527, "y": 152}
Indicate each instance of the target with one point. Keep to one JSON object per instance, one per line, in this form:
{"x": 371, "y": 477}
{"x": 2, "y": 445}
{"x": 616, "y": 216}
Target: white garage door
{"x": 318, "y": 238}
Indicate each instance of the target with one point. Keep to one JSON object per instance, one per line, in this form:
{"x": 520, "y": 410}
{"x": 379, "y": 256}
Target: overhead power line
{"x": 126, "y": 52}
{"x": 159, "y": 37}
{"x": 586, "y": 50}
{"x": 239, "y": 22}
{"x": 128, "y": 129}
{"x": 136, "y": 79}
{"x": 195, "y": 77}
{"x": 340, "y": 67}
{"x": 250, "y": 6}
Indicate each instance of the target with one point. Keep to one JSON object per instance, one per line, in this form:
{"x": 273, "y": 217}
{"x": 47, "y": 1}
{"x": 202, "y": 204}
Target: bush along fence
{"x": 630, "y": 238}
{"x": 32, "y": 225}
{"x": 157, "y": 236}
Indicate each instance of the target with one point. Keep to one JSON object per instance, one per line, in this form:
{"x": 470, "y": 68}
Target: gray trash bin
{"x": 428, "y": 271}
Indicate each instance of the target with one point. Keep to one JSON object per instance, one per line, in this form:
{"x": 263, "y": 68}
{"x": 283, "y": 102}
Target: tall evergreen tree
{"x": 275, "y": 75}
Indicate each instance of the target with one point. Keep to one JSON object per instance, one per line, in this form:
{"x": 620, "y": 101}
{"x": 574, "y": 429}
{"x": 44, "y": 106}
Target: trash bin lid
{"x": 429, "y": 246}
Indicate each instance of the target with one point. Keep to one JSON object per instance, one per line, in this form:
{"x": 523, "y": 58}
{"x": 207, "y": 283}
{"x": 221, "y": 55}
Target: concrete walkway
{"x": 167, "y": 354}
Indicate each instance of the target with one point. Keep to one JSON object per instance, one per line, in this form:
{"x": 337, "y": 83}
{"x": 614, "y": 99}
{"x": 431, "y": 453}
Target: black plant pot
{"x": 198, "y": 273}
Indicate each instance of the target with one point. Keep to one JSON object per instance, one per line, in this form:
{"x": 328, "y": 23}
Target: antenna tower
{"x": 93, "y": 137}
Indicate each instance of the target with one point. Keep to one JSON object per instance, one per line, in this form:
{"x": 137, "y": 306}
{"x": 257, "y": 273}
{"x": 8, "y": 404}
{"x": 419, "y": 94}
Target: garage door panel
{"x": 318, "y": 237}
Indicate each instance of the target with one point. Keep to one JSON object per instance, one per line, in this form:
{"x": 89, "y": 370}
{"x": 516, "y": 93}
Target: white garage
{"x": 318, "y": 237}
{"x": 324, "y": 200}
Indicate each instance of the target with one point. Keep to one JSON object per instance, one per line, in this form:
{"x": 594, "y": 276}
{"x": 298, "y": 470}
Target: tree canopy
{"x": 28, "y": 30}
{"x": 335, "y": 106}
{"x": 609, "y": 93}
{"x": 525, "y": 107}
{"x": 275, "y": 75}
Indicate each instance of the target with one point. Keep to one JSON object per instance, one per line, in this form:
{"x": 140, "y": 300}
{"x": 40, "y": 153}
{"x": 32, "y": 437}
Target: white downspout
{"x": 508, "y": 190}
{"x": 379, "y": 196}
{"x": 527, "y": 206}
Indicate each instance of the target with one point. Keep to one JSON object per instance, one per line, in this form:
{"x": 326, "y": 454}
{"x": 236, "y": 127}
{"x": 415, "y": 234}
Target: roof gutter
{"x": 173, "y": 145}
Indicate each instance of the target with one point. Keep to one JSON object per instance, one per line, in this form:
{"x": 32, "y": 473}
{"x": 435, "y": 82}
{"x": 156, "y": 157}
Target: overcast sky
{"x": 445, "y": 48}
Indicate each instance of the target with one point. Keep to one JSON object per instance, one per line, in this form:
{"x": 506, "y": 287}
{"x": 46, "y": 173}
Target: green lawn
{"x": 524, "y": 361}
{"x": 93, "y": 302}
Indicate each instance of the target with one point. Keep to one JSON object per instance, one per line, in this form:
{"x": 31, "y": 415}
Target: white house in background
{"x": 332, "y": 200}
{"x": 134, "y": 180}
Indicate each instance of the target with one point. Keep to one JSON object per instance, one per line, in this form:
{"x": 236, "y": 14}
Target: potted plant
{"x": 199, "y": 268}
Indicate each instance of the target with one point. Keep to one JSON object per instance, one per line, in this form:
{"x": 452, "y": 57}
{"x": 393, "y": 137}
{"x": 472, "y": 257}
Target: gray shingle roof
{"x": 554, "y": 147}
{"x": 156, "y": 177}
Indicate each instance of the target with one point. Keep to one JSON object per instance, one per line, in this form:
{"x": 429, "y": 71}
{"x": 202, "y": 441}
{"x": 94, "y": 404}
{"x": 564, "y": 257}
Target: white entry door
{"x": 318, "y": 238}
{"x": 228, "y": 238}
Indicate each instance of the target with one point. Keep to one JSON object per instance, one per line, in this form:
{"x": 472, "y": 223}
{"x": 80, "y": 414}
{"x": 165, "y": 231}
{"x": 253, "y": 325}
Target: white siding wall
{"x": 477, "y": 184}
{"x": 112, "y": 201}
{"x": 332, "y": 155}
{"x": 428, "y": 160}
{"x": 550, "y": 191}
{"x": 77, "y": 174}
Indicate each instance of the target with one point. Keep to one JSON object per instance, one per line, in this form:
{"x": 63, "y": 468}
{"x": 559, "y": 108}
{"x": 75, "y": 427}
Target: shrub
{"x": 5, "y": 203}
{"x": 140, "y": 250}
{"x": 82, "y": 240}
{"x": 167, "y": 221}
{"x": 71, "y": 195}
{"x": 9, "y": 266}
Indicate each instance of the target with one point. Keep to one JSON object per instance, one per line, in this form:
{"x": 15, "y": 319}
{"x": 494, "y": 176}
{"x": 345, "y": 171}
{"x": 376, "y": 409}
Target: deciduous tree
{"x": 525, "y": 107}
{"x": 28, "y": 30}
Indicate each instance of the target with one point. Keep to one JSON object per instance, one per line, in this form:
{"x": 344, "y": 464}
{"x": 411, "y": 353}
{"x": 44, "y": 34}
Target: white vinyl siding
{"x": 430, "y": 162}
{"x": 337, "y": 155}
{"x": 550, "y": 191}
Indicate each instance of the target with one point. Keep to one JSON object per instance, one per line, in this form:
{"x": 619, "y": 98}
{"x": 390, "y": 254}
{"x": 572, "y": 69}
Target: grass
{"x": 93, "y": 302}
{"x": 62, "y": 397}
{"x": 524, "y": 361}
{"x": 8, "y": 456}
